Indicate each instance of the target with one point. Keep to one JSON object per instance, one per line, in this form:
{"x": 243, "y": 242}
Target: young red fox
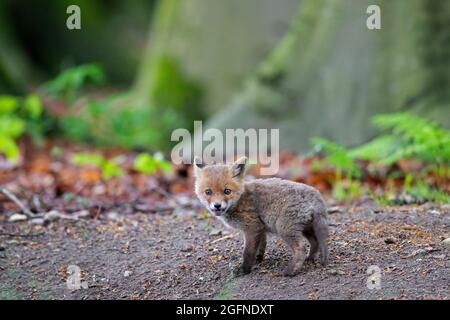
{"x": 289, "y": 209}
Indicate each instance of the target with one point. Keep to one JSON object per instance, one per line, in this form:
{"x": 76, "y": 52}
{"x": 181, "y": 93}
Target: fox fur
{"x": 288, "y": 209}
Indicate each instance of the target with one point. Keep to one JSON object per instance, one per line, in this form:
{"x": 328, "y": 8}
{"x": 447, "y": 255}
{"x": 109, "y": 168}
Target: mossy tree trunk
{"x": 330, "y": 73}
{"x": 199, "y": 51}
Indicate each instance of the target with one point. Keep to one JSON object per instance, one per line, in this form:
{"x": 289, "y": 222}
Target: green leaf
{"x": 145, "y": 163}
{"x": 376, "y": 149}
{"x": 336, "y": 156}
{"x": 8, "y": 104}
{"x": 33, "y": 106}
{"x": 9, "y": 148}
{"x": 11, "y": 126}
{"x": 73, "y": 79}
{"x": 110, "y": 169}
{"x": 75, "y": 128}
{"x": 87, "y": 158}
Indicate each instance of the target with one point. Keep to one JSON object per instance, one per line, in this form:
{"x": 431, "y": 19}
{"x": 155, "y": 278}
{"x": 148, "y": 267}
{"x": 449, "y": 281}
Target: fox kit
{"x": 289, "y": 209}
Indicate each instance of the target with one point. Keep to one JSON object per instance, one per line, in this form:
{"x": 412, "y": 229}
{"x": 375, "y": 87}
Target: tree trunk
{"x": 199, "y": 51}
{"x": 330, "y": 73}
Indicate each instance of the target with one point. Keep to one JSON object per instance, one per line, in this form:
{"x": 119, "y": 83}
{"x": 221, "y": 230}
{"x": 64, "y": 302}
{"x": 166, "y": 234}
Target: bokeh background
{"x": 138, "y": 69}
{"x": 310, "y": 68}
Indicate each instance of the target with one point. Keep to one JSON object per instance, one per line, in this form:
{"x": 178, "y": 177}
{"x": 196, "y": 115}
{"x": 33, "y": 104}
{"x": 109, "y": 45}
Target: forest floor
{"x": 145, "y": 236}
{"x": 185, "y": 255}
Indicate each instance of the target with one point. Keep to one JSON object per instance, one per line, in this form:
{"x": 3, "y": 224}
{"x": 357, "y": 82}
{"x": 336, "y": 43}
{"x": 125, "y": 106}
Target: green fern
{"x": 147, "y": 164}
{"x": 18, "y": 115}
{"x": 70, "y": 81}
{"x": 336, "y": 156}
{"x": 405, "y": 136}
{"x": 414, "y": 137}
{"x": 109, "y": 168}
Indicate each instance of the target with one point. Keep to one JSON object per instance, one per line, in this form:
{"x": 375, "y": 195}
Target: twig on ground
{"x": 98, "y": 211}
{"x": 37, "y": 203}
{"x": 225, "y": 237}
{"x": 21, "y": 235}
{"x": 172, "y": 197}
{"x": 166, "y": 194}
{"x": 18, "y": 203}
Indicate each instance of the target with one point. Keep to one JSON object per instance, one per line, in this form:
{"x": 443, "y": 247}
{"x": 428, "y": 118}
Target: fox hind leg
{"x": 298, "y": 256}
{"x": 320, "y": 228}
{"x": 261, "y": 248}
{"x": 314, "y": 245}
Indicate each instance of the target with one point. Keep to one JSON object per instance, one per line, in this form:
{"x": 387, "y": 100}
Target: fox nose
{"x": 217, "y": 205}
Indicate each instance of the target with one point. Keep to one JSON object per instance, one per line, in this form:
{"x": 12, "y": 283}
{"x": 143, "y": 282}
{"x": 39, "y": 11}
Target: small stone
{"x": 402, "y": 236}
{"x": 81, "y": 214}
{"x": 389, "y": 240}
{"x": 112, "y": 215}
{"x": 341, "y": 243}
{"x": 446, "y": 241}
{"x": 37, "y": 221}
{"x": 334, "y": 209}
{"x": 215, "y": 232}
{"x": 422, "y": 252}
{"x": 434, "y": 213}
{"x": 439, "y": 256}
{"x": 403, "y": 198}
{"x": 127, "y": 273}
{"x": 52, "y": 215}
{"x": 16, "y": 217}
{"x": 333, "y": 272}
{"x": 99, "y": 189}
{"x": 187, "y": 249}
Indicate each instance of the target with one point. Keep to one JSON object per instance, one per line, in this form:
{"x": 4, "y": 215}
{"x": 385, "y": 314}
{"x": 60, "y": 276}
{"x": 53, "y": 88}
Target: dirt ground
{"x": 190, "y": 256}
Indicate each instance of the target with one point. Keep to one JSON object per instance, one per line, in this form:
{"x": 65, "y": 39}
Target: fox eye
{"x": 227, "y": 191}
{"x": 208, "y": 192}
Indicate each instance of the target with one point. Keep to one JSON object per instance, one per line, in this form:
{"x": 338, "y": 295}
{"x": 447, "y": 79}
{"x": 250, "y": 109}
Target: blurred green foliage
{"x": 116, "y": 120}
{"x": 68, "y": 84}
{"x": 339, "y": 158}
{"x": 17, "y": 117}
{"x": 144, "y": 163}
{"x": 147, "y": 164}
{"x": 110, "y": 121}
{"x": 405, "y": 136}
{"x": 109, "y": 168}
{"x": 409, "y": 137}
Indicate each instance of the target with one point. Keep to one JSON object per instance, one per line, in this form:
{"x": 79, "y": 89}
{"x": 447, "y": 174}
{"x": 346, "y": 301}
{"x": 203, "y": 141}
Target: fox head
{"x": 219, "y": 186}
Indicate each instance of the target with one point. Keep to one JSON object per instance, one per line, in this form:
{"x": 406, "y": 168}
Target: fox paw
{"x": 290, "y": 271}
{"x": 259, "y": 258}
{"x": 241, "y": 270}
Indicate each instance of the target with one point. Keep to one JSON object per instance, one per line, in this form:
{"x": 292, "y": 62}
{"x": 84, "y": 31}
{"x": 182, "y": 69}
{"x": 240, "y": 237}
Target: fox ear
{"x": 198, "y": 166}
{"x": 238, "y": 168}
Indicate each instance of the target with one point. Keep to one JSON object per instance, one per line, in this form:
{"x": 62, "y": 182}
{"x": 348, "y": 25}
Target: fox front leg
{"x": 252, "y": 241}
